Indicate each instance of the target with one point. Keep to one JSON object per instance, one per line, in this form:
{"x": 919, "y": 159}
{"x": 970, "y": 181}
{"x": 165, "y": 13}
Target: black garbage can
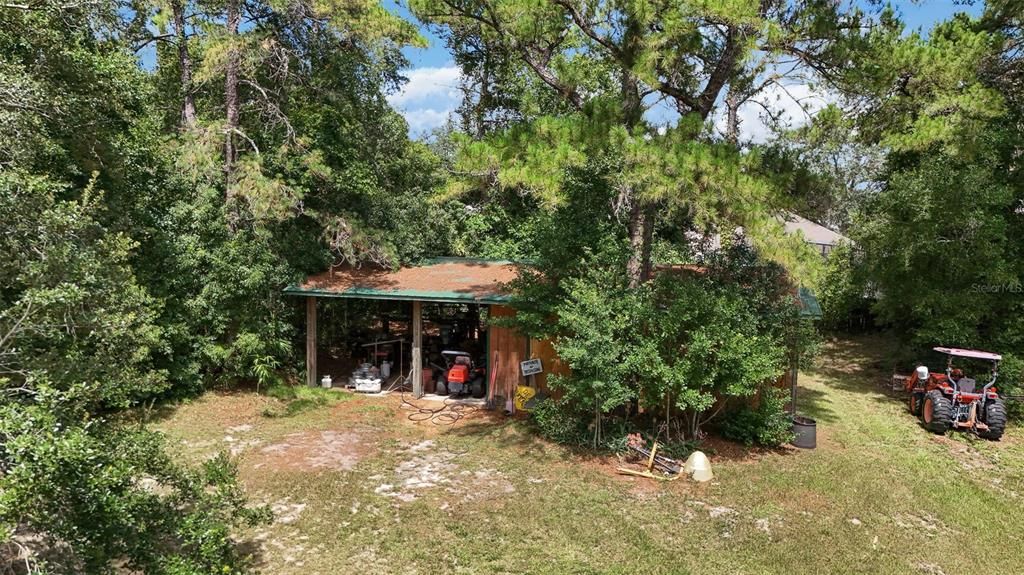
{"x": 805, "y": 432}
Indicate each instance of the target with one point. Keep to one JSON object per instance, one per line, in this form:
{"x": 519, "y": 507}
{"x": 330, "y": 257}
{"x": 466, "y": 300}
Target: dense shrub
{"x": 78, "y": 340}
{"x": 557, "y": 421}
{"x": 297, "y": 399}
{"x": 1011, "y": 383}
{"x": 554, "y": 420}
{"x": 678, "y": 344}
{"x": 109, "y": 493}
{"x": 842, "y": 292}
{"x": 765, "y": 423}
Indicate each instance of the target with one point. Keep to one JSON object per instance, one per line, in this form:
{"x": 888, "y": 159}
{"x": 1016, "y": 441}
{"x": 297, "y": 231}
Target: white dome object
{"x": 922, "y": 373}
{"x": 698, "y": 466}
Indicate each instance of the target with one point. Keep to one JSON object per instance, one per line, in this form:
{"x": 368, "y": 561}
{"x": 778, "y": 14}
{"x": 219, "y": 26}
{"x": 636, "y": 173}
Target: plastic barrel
{"x": 805, "y": 431}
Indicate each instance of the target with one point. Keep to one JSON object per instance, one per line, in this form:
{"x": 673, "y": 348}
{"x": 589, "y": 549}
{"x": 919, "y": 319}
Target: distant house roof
{"x": 444, "y": 280}
{"x": 812, "y": 232}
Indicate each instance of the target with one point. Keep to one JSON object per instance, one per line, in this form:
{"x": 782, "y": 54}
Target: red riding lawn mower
{"x": 952, "y": 400}
{"x": 461, "y": 376}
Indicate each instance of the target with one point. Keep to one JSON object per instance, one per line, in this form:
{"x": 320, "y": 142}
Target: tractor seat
{"x": 966, "y": 385}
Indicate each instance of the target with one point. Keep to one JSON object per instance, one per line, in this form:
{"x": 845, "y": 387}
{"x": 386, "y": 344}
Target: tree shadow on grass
{"x": 517, "y": 434}
{"x": 165, "y": 409}
{"x": 858, "y": 364}
{"x": 815, "y": 404}
{"x": 250, "y": 550}
{"x": 510, "y": 433}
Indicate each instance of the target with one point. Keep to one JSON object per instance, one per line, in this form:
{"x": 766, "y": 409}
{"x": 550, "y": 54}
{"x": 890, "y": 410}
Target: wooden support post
{"x": 417, "y": 349}
{"x": 311, "y": 341}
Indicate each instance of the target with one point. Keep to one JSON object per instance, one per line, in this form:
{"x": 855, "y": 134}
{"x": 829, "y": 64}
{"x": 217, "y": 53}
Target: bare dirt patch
{"x": 719, "y": 449}
{"x": 969, "y": 458}
{"x": 315, "y": 451}
{"x": 286, "y": 511}
{"x": 425, "y": 467}
{"x": 923, "y": 523}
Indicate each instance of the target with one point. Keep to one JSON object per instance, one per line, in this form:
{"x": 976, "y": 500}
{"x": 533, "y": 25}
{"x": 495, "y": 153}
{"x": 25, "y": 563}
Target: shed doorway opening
{"x": 361, "y": 340}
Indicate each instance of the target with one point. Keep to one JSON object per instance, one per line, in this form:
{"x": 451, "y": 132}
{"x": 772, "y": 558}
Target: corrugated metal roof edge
{"x": 400, "y": 295}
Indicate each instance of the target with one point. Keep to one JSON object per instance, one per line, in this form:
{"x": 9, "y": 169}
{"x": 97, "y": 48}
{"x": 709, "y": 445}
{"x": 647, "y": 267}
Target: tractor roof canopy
{"x": 972, "y": 353}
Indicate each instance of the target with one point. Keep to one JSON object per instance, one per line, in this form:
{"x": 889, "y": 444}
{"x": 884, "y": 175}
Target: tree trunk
{"x": 485, "y": 97}
{"x": 188, "y": 105}
{"x": 234, "y": 17}
{"x": 732, "y": 118}
{"x": 641, "y": 231}
{"x": 641, "y": 214}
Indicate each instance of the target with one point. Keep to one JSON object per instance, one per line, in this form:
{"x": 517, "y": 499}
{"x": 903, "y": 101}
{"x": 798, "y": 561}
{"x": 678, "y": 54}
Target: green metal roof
{"x": 442, "y": 280}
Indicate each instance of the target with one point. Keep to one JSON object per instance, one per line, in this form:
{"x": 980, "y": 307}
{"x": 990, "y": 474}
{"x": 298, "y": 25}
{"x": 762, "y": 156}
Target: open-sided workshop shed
{"x": 438, "y": 281}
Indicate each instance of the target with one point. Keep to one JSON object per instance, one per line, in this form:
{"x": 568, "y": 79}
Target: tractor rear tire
{"x": 995, "y": 419}
{"x": 914, "y": 402}
{"x": 937, "y": 412}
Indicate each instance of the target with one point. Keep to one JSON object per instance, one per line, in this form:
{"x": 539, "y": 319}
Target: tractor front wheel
{"x": 914, "y": 402}
{"x": 995, "y": 419}
{"x": 937, "y": 412}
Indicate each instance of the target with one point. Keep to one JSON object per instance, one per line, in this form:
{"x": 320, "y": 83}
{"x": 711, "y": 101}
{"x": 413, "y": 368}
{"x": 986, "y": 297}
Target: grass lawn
{"x": 358, "y": 488}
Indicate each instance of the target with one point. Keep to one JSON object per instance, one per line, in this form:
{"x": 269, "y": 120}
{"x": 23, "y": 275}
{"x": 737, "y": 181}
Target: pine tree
{"x": 611, "y": 63}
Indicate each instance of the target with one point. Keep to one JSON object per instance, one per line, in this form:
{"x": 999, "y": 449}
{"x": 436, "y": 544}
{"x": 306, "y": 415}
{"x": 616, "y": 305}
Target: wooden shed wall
{"x": 508, "y": 348}
{"x": 511, "y": 349}
{"x": 545, "y": 350}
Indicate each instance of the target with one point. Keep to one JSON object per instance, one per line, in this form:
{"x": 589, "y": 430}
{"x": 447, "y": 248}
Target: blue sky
{"x": 431, "y": 93}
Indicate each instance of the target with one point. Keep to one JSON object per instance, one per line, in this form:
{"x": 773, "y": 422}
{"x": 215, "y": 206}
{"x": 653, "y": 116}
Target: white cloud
{"x": 429, "y": 97}
{"x": 425, "y": 119}
{"x": 794, "y": 105}
{"x": 428, "y": 84}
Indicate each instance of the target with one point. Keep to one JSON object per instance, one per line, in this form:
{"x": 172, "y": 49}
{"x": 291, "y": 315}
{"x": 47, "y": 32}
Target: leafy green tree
{"x": 941, "y": 239}
{"x": 826, "y": 171}
{"x": 680, "y": 346}
{"x": 609, "y": 63}
{"x": 940, "y": 244}
{"x": 322, "y": 171}
{"x": 76, "y": 343}
{"x": 844, "y": 291}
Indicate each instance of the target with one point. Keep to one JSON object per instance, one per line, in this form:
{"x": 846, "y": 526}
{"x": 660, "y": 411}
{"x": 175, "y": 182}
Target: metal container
{"x": 805, "y": 431}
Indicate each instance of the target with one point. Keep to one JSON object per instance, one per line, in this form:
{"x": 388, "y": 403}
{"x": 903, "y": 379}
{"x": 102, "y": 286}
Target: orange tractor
{"x": 951, "y": 400}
